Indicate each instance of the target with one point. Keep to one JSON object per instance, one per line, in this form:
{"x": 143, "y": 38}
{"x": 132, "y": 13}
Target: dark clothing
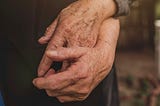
{"x": 123, "y": 7}
{"x": 23, "y": 22}
{"x": 1, "y": 101}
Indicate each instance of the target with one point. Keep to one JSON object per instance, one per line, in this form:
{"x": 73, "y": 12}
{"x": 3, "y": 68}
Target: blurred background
{"x": 138, "y": 53}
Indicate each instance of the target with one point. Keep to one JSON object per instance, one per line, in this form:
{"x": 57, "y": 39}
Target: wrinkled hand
{"x": 76, "y": 25}
{"x": 88, "y": 66}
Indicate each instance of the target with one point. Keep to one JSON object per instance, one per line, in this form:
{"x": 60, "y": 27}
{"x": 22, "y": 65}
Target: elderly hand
{"x": 89, "y": 66}
{"x": 76, "y": 25}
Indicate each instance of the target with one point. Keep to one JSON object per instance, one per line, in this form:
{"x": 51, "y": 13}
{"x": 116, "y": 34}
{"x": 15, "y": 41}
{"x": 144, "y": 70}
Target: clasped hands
{"x": 85, "y": 42}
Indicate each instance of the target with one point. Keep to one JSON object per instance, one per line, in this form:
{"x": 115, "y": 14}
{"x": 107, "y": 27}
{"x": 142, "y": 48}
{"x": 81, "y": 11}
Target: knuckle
{"x": 68, "y": 29}
{"x": 47, "y": 29}
{"x": 77, "y": 76}
{"x": 82, "y": 74}
{"x": 65, "y": 25}
{"x": 53, "y": 87}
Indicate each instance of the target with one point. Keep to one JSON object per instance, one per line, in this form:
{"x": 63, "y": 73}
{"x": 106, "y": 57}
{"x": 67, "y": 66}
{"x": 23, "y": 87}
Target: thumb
{"x": 61, "y": 53}
{"x": 48, "y": 33}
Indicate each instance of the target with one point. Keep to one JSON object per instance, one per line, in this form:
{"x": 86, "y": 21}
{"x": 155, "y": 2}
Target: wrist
{"x": 102, "y": 9}
{"x": 109, "y": 33}
{"x": 105, "y": 8}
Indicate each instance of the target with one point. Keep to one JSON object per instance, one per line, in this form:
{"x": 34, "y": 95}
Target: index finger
{"x": 46, "y": 62}
{"x": 44, "y": 65}
{"x": 49, "y": 32}
{"x": 60, "y": 80}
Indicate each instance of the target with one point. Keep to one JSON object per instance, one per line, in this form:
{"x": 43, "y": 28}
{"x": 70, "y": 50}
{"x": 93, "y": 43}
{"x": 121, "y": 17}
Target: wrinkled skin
{"x": 76, "y": 25}
{"x": 88, "y": 68}
{"x": 85, "y": 42}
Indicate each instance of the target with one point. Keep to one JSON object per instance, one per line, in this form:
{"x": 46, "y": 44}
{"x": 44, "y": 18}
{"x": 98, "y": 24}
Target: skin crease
{"x": 77, "y": 37}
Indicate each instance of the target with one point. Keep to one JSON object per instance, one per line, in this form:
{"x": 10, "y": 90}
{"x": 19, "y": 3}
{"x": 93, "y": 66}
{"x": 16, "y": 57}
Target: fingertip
{"x": 51, "y": 53}
{"x": 41, "y": 73}
{"x": 43, "y": 40}
{"x": 35, "y": 82}
{"x": 50, "y": 72}
{"x": 38, "y": 82}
